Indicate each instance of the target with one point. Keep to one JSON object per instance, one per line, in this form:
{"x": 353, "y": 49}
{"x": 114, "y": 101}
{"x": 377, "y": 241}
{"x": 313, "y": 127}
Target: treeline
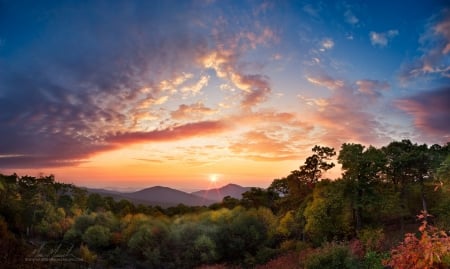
{"x": 301, "y": 221}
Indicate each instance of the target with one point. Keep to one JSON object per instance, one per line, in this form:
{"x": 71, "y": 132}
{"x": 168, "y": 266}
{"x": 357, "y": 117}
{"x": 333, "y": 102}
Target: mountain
{"x": 165, "y": 196}
{"x": 218, "y": 194}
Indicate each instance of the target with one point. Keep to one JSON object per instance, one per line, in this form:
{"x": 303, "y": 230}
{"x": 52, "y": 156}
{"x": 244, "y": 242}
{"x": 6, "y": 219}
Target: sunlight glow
{"x": 213, "y": 178}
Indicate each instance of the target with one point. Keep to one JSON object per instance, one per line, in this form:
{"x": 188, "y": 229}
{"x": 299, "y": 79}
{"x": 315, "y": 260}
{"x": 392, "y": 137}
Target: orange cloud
{"x": 259, "y": 145}
{"x": 203, "y": 128}
{"x": 225, "y": 62}
{"x": 193, "y": 111}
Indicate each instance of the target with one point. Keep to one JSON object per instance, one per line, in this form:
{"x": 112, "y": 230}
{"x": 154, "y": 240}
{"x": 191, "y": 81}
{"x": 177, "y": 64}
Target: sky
{"x": 132, "y": 94}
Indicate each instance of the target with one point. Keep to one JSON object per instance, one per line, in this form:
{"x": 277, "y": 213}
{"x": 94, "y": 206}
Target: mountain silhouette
{"x": 167, "y": 197}
{"x": 217, "y": 194}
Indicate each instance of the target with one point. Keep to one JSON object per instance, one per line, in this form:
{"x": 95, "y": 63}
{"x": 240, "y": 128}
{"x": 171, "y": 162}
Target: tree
{"x": 97, "y": 236}
{"x": 311, "y": 172}
{"x": 410, "y": 164}
{"x": 328, "y": 215}
{"x": 257, "y": 197}
{"x": 362, "y": 168}
{"x": 96, "y": 202}
{"x": 299, "y": 184}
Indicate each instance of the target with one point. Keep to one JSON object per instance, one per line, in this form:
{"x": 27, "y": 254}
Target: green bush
{"x": 331, "y": 255}
{"x": 374, "y": 260}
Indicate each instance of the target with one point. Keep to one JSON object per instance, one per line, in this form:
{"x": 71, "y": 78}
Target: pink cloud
{"x": 345, "y": 116}
{"x": 371, "y": 87}
{"x": 436, "y": 47}
{"x": 430, "y": 111}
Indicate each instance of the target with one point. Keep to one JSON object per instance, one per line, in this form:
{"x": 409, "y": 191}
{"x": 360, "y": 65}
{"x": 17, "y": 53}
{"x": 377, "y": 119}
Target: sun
{"x": 213, "y": 178}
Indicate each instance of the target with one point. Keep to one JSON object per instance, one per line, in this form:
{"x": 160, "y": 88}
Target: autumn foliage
{"x": 430, "y": 250}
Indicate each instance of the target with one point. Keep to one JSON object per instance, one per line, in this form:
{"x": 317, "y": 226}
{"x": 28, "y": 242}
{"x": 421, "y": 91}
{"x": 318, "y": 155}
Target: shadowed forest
{"x": 390, "y": 208}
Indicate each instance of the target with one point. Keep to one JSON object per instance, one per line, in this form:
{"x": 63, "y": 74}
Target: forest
{"x": 390, "y": 208}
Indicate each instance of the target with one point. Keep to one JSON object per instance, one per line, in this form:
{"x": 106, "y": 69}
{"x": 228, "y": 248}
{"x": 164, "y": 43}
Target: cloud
{"x": 312, "y": 11}
{"x": 350, "y": 17}
{"x": 60, "y": 99}
{"x": 255, "y": 87}
{"x": 371, "y": 87}
{"x": 326, "y": 81}
{"x": 327, "y": 44}
{"x": 266, "y": 36}
{"x": 189, "y": 130}
{"x": 265, "y": 146}
{"x": 270, "y": 136}
{"x": 435, "y": 44}
{"x": 382, "y": 39}
{"x": 345, "y": 115}
{"x": 193, "y": 111}
{"x": 430, "y": 111}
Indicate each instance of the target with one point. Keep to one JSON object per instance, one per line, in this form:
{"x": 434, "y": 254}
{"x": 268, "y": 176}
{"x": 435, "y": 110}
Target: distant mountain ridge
{"x": 167, "y": 197}
{"x": 217, "y": 194}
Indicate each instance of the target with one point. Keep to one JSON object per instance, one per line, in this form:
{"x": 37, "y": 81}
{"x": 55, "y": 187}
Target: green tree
{"x": 299, "y": 184}
{"x": 97, "y": 236}
{"x": 257, "y": 197}
{"x": 362, "y": 170}
{"x": 328, "y": 215}
{"x": 409, "y": 165}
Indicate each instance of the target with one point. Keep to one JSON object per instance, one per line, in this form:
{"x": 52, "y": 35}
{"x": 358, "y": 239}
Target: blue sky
{"x": 172, "y": 92}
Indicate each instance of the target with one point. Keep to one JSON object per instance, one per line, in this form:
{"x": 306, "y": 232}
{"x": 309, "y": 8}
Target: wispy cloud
{"x": 435, "y": 44}
{"x": 345, "y": 115}
{"x": 430, "y": 111}
{"x": 326, "y": 81}
{"x": 382, "y": 39}
{"x": 372, "y": 87}
{"x": 350, "y": 17}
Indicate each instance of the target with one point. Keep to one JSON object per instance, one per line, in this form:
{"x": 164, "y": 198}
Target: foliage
{"x": 327, "y": 216}
{"x": 374, "y": 260}
{"x": 371, "y": 239}
{"x": 97, "y": 236}
{"x": 331, "y": 255}
{"x": 431, "y": 250}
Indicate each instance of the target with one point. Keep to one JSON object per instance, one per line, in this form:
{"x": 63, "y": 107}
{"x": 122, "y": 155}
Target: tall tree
{"x": 299, "y": 184}
{"x": 409, "y": 164}
{"x": 362, "y": 168}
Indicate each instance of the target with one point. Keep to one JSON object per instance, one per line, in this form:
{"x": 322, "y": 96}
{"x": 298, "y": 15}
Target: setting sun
{"x": 213, "y": 178}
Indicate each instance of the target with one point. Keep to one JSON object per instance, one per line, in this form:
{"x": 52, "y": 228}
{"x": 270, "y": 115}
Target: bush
{"x": 331, "y": 255}
{"x": 372, "y": 239}
{"x": 431, "y": 250}
{"x": 374, "y": 260}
